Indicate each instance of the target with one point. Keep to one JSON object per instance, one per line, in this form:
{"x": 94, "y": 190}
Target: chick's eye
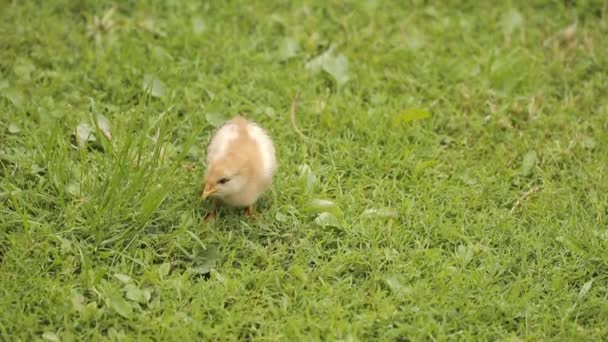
{"x": 223, "y": 180}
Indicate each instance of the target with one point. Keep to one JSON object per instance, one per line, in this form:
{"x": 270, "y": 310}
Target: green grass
{"x": 486, "y": 220}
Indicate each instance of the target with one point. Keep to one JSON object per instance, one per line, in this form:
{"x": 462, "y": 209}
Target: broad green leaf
{"x": 91, "y": 311}
{"x": 326, "y": 219}
{"x": 24, "y": 69}
{"x": 116, "y": 334}
{"x": 588, "y": 143}
{"x": 205, "y": 259}
{"x": 123, "y": 278}
{"x": 288, "y": 48}
{"x": 464, "y": 255}
{"x": 277, "y": 19}
{"x": 299, "y": 273}
{"x": 369, "y": 5}
{"x": 511, "y": 21}
{"x": 152, "y": 200}
{"x": 154, "y": 86}
{"x": 269, "y": 111}
{"x": 14, "y": 96}
{"x": 574, "y": 245}
{"x": 528, "y": 162}
{"x": 13, "y": 128}
{"x": 37, "y": 169}
{"x": 66, "y": 245}
{"x": 316, "y": 64}
{"x": 215, "y": 119}
{"x": 424, "y": 165}
{"x": 467, "y": 179}
{"x": 380, "y": 212}
{"x": 337, "y": 67}
{"x": 50, "y": 336}
{"x": 318, "y": 203}
{"x": 281, "y": 217}
{"x": 415, "y": 40}
{"x": 319, "y": 106}
{"x": 217, "y": 276}
{"x": 119, "y": 304}
{"x": 78, "y": 301}
{"x": 431, "y": 12}
{"x": 322, "y": 205}
{"x": 413, "y": 114}
{"x": 395, "y": 284}
{"x": 391, "y": 254}
{"x": 84, "y": 134}
{"x": 198, "y": 25}
{"x": 307, "y": 177}
{"x": 136, "y": 294}
{"x": 73, "y": 187}
{"x": 104, "y": 126}
{"x": 161, "y": 55}
{"x": 163, "y": 270}
{"x": 584, "y": 289}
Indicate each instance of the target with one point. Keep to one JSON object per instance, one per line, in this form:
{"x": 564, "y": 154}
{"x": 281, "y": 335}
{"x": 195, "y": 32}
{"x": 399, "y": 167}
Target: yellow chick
{"x": 241, "y": 162}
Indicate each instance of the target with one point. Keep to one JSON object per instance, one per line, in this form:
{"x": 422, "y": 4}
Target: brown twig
{"x": 523, "y": 197}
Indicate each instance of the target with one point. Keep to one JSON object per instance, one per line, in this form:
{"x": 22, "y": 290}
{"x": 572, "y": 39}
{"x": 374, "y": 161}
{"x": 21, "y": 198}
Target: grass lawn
{"x": 450, "y": 180}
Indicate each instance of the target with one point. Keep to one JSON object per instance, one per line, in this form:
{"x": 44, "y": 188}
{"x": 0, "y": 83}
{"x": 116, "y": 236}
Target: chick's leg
{"x": 212, "y": 213}
{"x": 250, "y": 212}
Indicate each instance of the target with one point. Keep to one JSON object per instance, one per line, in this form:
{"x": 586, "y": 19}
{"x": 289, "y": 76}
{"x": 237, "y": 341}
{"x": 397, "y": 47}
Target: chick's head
{"x": 225, "y": 177}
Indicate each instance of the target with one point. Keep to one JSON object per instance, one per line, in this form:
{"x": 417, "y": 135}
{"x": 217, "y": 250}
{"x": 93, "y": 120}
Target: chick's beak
{"x": 208, "y": 191}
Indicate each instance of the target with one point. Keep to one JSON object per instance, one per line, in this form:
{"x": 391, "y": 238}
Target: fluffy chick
{"x": 241, "y": 162}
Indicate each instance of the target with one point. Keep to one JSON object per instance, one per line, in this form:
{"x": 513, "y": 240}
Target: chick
{"x": 241, "y": 162}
